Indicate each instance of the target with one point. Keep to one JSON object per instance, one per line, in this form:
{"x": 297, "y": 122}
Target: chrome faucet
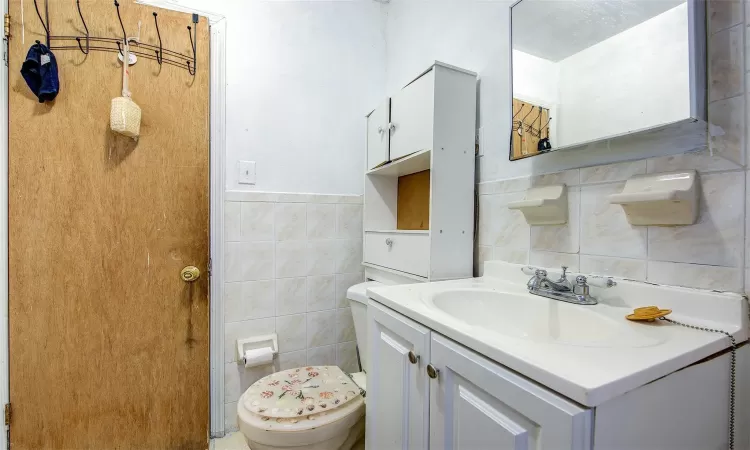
{"x": 562, "y": 289}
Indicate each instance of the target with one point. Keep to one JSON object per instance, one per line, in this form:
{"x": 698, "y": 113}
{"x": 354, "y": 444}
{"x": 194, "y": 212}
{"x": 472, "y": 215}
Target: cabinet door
{"x": 476, "y": 404}
{"x": 377, "y": 135}
{"x": 397, "y": 389}
{"x": 412, "y": 114}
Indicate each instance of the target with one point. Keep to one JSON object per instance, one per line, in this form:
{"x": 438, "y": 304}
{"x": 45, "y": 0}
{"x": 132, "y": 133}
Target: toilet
{"x": 312, "y": 407}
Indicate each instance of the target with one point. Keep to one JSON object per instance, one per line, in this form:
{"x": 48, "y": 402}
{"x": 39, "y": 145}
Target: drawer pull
{"x": 432, "y": 372}
{"x": 389, "y": 242}
{"x": 413, "y": 357}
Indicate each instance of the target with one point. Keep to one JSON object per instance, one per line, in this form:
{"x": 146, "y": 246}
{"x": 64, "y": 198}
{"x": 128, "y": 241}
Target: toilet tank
{"x": 357, "y": 296}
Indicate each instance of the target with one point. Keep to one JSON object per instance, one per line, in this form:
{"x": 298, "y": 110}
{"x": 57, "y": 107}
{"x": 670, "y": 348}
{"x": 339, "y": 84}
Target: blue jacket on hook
{"x": 40, "y": 72}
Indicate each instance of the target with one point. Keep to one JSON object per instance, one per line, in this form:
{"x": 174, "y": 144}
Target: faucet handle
{"x": 540, "y": 273}
{"x": 602, "y": 282}
{"x": 581, "y": 288}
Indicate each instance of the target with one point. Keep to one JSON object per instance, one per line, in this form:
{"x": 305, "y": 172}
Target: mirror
{"x": 584, "y": 71}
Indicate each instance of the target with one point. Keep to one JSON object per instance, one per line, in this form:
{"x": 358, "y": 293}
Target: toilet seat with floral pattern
{"x": 302, "y": 398}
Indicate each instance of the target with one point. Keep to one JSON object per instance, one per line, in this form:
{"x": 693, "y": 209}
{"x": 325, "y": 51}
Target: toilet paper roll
{"x": 258, "y": 357}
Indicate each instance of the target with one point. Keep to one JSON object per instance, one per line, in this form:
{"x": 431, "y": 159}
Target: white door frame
{"x": 217, "y": 114}
{"x": 4, "y": 374}
{"x": 218, "y": 87}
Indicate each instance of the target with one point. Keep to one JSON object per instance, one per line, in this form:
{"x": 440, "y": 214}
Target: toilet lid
{"x": 300, "y": 393}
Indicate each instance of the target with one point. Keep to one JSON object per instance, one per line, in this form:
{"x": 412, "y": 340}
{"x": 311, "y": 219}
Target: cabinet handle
{"x": 413, "y": 357}
{"x": 391, "y": 126}
{"x": 432, "y": 372}
{"x": 389, "y": 242}
{"x": 380, "y": 130}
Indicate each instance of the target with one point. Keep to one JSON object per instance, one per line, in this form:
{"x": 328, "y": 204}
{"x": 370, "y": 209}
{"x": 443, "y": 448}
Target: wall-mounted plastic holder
{"x": 663, "y": 199}
{"x": 544, "y": 205}
{"x": 267, "y": 340}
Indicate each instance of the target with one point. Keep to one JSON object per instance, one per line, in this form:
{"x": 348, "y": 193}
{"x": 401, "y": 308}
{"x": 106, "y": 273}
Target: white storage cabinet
{"x": 428, "y": 125}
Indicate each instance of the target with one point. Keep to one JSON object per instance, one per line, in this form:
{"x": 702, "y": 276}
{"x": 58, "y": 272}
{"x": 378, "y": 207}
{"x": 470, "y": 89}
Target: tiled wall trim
{"x": 598, "y": 238}
{"x": 289, "y": 259}
{"x": 289, "y": 197}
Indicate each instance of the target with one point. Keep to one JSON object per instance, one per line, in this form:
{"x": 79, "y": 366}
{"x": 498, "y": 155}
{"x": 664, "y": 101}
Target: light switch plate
{"x": 246, "y": 173}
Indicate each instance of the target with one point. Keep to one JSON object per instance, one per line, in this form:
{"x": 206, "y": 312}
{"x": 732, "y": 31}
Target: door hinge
{"x": 209, "y": 266}
{"x": 6, "y": 26}
{"x": 7, "y": 414}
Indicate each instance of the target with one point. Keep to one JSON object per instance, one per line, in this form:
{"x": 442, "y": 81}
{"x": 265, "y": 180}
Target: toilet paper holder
{"x": 267, "y": 340}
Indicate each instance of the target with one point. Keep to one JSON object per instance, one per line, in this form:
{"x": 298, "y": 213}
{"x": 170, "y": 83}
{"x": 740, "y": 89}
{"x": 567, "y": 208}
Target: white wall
{"x": 535, "y": 78}
{"x": 631, "y": 81}
{"x": 301, "y": 75}
{"x": 470, "y": 34}
{"x": 474, "y": 34}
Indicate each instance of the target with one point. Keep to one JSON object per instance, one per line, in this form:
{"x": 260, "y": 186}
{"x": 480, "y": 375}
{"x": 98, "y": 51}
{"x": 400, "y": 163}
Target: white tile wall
{"x": 598, "y": 239}
{"x": 289, "y": 260}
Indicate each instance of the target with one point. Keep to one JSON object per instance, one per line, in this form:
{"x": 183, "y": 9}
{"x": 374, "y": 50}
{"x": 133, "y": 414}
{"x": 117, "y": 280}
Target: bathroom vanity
{"x": 481, "y": 363}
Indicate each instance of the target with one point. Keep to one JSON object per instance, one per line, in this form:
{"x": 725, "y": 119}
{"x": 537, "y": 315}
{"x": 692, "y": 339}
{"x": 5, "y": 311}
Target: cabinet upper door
{"x": 476, "y": 404}
{"x": 412, "y": 117}
{"x": 377, "y": 135}
{"x": 397, "y": 387}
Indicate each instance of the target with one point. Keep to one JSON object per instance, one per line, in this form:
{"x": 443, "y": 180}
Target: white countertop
{"x": 587, "y": 375}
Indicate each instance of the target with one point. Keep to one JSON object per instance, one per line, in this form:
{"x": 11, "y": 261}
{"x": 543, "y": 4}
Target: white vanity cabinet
{"x": 398, "y": 396}
{"x": 477, "y": 404}
{"x": 471, "y": 404}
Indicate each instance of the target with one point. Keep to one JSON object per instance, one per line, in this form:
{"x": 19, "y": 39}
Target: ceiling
{"x": 556, "y": 29}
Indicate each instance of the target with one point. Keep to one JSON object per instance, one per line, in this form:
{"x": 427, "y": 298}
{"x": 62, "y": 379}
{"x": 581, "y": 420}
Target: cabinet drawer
{"x": 406, "y": 252}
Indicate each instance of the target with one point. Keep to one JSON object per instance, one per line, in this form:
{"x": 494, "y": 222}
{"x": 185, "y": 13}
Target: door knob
{"x": 413, "y": 357}
{"x": 432, "y": 372}
{"x": 190, "y": 273}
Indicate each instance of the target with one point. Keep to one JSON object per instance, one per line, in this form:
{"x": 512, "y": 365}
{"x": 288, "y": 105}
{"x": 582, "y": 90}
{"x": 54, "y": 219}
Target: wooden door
{"x": 377, "y": 135}
{"x": 397, "y": 389}
{"x": 476, "y": 404}
{"x": 108, "y": 346}
{"x": 412, "y": 117}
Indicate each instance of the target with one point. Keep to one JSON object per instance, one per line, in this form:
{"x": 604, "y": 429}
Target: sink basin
{"x": 531, "y": 317}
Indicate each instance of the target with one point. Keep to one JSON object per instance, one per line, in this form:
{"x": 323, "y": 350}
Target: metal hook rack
{"x": 519, "y": 110}
{"x": 46, "y": 13}
{"x": 88, "y": 43}
{"x": 193, "y": 43}
{"x": 119, "y": 17}
{"x": 159, "y": 54}
{"x": 114, "y": 45}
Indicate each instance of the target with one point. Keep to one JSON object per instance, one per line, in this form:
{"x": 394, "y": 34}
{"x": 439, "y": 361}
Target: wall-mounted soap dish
{"x": 545, "y": 205}
{"x": 664, "y": 199}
